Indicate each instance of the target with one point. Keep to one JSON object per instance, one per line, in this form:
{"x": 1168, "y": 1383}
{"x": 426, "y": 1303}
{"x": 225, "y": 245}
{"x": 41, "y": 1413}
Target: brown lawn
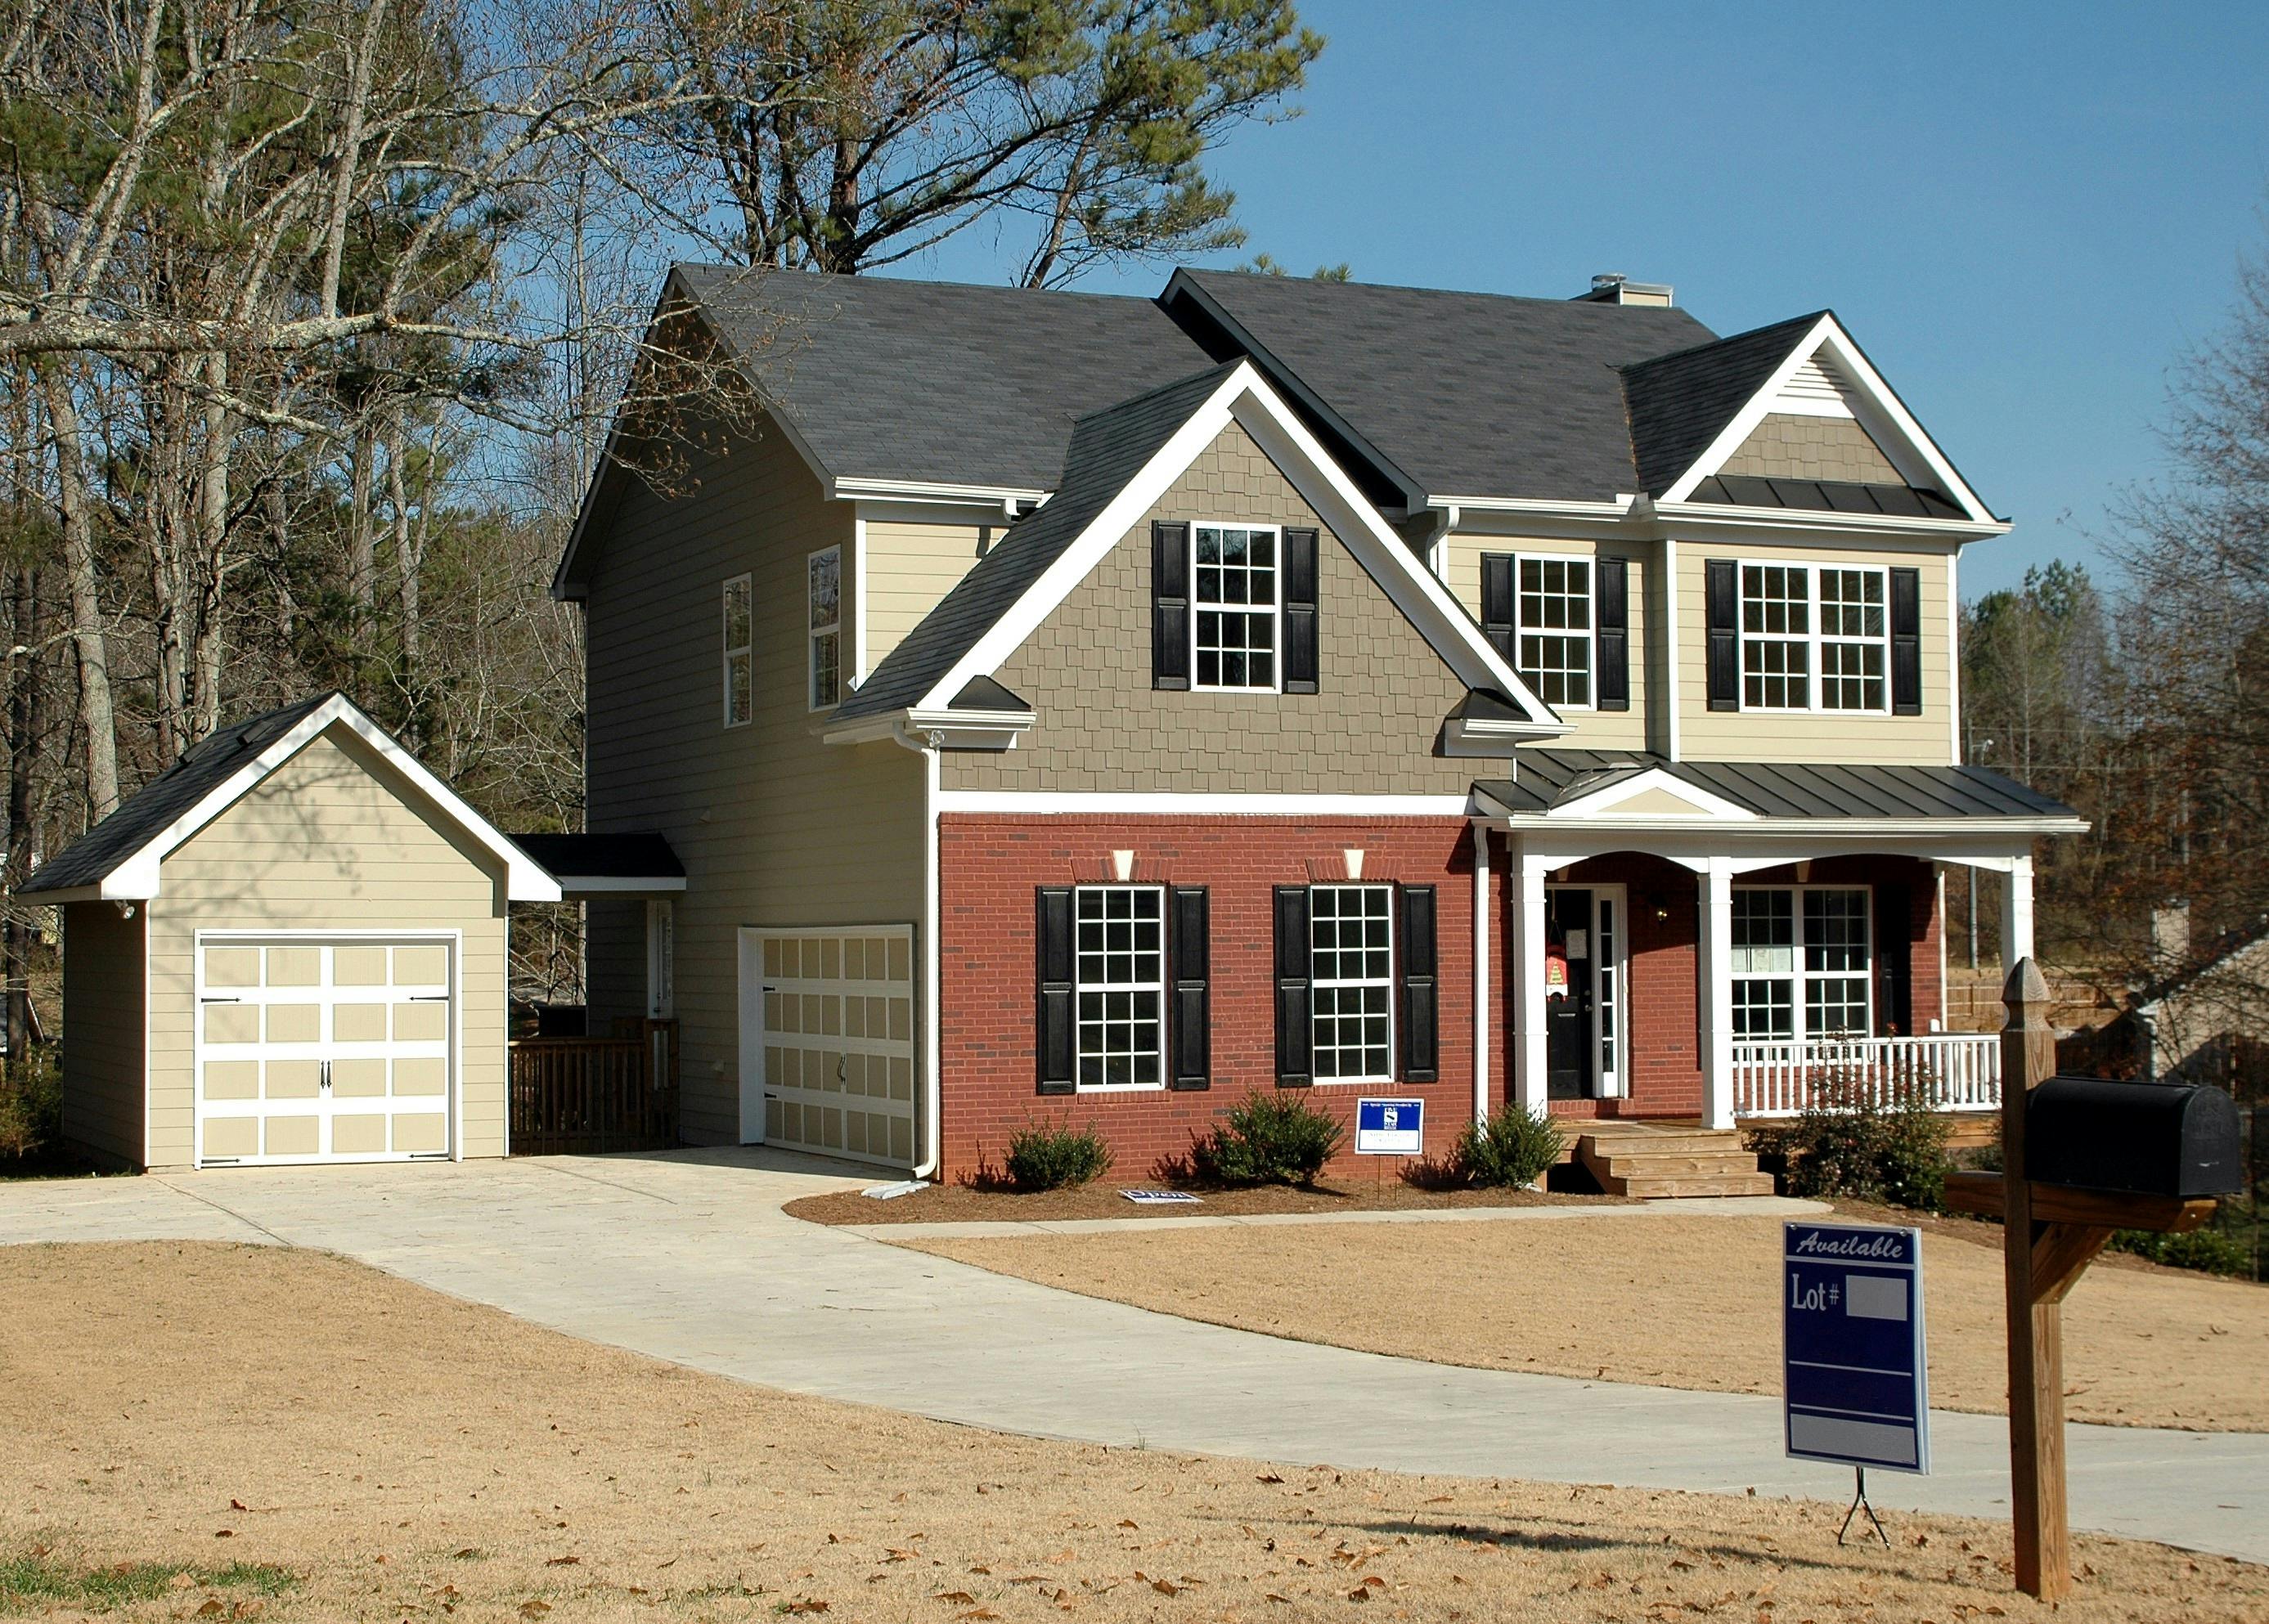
{"x": 1675, "y": 1301}
{"x": 359, "y": 1448}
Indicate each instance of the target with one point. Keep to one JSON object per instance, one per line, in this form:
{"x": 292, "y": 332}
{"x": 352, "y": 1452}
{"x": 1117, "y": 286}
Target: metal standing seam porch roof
{"x": 1549, "y": 779}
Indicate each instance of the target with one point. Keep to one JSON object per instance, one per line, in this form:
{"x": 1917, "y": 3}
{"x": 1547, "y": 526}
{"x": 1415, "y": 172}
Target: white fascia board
{"x": 995, "y": 498}
{"x": 56, "y": 899}
{"x": 1841, "y": 527}
{"x": 137, "y": 877}
{"x": 1175, "y": 803}
{"x": 1536, "y": 508}
{"x": 1953, "y": 831}
{"x": 997, "y": 730}
{"x": 1601, "y": 803}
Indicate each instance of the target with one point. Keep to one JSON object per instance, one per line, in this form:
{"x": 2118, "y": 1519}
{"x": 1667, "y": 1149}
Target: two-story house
{"x": 1087, "y": 707}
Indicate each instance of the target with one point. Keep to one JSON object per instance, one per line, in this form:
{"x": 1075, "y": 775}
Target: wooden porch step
{"x": 1718, "y": 1185}
{"x": 1661, "y": 1165}
{"x": 1620, "y": 1165}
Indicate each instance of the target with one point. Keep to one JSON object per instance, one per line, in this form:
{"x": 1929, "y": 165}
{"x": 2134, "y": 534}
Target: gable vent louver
{"x": 1817, "y": 388}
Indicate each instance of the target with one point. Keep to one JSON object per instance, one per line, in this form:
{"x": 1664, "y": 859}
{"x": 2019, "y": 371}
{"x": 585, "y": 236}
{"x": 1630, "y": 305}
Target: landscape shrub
{"x": 1849, "y": 1144}
{"x": 1267, "y": 1138}
{"x": 1055, "y": 1157}
{"x": 2208, "y": 1250}
{"x": 1511, "y": 1149}
{"x": 31, "y": 1104}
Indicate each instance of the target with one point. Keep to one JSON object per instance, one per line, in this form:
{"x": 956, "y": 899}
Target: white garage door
{"x": 315, "y": 1049}
{"x": 837, "y": 1040}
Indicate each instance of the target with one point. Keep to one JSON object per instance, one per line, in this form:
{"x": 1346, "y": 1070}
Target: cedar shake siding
{"x": 774, "y": 827}
{"x": 1372, "y": 728}
{"x": 1788, "y": 446}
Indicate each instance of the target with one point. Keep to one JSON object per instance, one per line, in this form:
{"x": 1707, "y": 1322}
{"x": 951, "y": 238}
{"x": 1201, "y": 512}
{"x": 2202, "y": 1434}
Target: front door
{"x": 1570, "y": 1073}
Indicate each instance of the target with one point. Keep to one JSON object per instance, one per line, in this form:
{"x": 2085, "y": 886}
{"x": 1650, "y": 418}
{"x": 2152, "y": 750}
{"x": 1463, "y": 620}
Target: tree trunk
{"x": 89, "y": 637}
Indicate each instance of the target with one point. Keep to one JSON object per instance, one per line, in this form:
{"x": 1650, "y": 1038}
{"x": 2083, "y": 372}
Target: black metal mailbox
{"x": 2139, "y": 1138}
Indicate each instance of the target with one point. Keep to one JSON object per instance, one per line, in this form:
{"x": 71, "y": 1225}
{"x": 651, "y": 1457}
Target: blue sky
{"x": 2025, "y": 213}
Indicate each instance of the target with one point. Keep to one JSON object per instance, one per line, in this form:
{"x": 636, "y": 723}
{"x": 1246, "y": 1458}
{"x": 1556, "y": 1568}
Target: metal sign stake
{"x": 1858, "y": 1504}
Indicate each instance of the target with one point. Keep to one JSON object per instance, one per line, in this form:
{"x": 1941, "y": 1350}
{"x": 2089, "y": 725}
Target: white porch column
{"x": 2017, "y": 912}
{"x": 1484, "y": 1006}
{"x": 1526, "y": 874}
{"x": 1717, "y": 1000}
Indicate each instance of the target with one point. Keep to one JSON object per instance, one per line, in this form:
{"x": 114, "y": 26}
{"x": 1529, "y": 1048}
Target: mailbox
{"x": 2140, "y": 1138}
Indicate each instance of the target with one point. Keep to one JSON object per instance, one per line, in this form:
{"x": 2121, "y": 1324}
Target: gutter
{"x": 929, "y": 1117}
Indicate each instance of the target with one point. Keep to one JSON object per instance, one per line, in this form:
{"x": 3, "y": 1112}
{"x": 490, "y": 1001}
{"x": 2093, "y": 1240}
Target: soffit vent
{"x": 1818, "y": 390}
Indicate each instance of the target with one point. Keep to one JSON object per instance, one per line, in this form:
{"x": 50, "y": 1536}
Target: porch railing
{"x": 582, "y": 1096}
{"x": 1946, "y": 1071}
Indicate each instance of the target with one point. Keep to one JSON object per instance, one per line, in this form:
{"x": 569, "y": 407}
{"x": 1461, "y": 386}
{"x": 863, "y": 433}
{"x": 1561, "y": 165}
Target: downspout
{"x": 1431, "y": 552}
{"x": 929, "y": 1122}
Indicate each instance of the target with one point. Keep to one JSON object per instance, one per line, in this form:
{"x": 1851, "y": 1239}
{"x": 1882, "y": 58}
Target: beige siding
{"x": 1372, "y": 730}
{"x": 1600, "y": 730}
{"x": 1786, "y": 446}
{"x": 103, "y": 982}
{"x": 909, "y": 570}
{"x": 1705, "y": 734}
{"x": 330, "y": 840}
{"x": 773, "y": 826}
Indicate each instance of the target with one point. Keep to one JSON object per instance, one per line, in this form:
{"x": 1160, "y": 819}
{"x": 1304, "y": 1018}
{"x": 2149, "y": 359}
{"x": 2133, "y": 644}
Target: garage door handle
{"x": 429, "y": 998}
{"x": 327, "y": 1076}
{"x": 221, "y": 998}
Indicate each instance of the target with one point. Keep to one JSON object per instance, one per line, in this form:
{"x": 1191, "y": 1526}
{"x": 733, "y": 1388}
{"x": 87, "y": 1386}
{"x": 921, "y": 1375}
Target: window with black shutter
{"x": 1906, "y": 642}
{"x": 1612, "y": 621}
{"x": 1055, "y": 1040}
{"x": 1189, "y": 1003}
{"x": 1721, "y": 609}
{"x": 1496, "y": 602}
{"x": 1417, "y": 995}
{"x": 1300, "y": 603}
{"x": 1295, "y": 1036}
{"x": 1170, "y": 605}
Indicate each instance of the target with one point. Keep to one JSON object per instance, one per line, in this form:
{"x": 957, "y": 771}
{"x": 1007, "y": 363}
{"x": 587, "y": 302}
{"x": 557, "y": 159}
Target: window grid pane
{"x": 1817, "y": 955}
{"x": 1775, "y": 637}
{"x": 1234, "y": 629}
{"x": 1554, "y": 651}
{"x": 824, "y": 606}
{"x": 1853, "y": 629}
{"x": 1119, "y": 974}
{"x": 1351, "y": 965}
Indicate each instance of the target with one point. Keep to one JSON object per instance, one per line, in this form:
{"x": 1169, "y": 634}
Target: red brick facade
{"x": 991, "y": 864}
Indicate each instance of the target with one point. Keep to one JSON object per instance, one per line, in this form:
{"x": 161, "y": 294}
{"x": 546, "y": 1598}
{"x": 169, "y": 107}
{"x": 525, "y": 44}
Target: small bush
{"x": 2206, "y": 1251}
{"x": 1851, "y": 1144}
{"x": 1056, "y": 1156}
{"x": 1511, "y": 1151}
{"x": 1267, "y": 1138}
{"x": 31, "y": 1104}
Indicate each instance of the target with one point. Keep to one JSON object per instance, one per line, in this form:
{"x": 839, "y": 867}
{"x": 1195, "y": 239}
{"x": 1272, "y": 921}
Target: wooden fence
{"x": 581, "y": 1095}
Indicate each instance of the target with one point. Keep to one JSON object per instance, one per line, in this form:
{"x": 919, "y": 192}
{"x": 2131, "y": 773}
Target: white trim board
{"x": 1169, "y": 803}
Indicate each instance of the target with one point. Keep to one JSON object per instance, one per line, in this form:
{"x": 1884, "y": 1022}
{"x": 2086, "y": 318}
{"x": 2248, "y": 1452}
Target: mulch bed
{"x": 963, "y": 1203}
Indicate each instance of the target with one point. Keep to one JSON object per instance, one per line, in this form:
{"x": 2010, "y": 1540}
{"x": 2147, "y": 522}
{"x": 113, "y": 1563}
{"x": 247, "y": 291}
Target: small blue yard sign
{"x": 1856, "y": 1383}
{"x": 1390, "y": 1127}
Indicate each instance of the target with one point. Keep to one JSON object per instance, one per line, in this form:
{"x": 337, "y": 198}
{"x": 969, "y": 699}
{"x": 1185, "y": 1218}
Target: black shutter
{"x": 1054, "y": 1041}
{"x": 1421, "y": 1033}
{"x": 1294, "y": 1033}
{"x": 1170, "y": 605}
{"x": 1611, "y": 623}
{"x": 1496, "y": 603}
{"x": 1893, "y": 968}
{"x": 1189, "y": 1036}
{"x": 1721, "y": 603}
{"x": 1299, "y": 612}
{"x": 1906, "y": 642}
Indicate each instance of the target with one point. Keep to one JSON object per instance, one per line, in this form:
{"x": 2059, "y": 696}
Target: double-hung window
{"x": 1814, "y": 638}
{"x": 1120, "y": 974}
{"x": 738, "y": 652}
{"x": 823, "y": 604}
{"x": 1801, "y": 963}
{"x": 1351, "y": 967}
{"x": 1554, "y": 649}
{"x": 1233, "y": 626}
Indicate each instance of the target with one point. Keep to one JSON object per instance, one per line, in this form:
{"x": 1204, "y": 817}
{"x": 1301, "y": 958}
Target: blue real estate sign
{"x": 1857, "y": 1386}
{"x": 1390, "y": 1127}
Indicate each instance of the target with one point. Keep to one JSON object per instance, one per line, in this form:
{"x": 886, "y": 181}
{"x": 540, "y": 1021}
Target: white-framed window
{"x": 1234, "y": 604}
{"x": 1119, "y": 986}
{"x": 823, "y": 604}
{"x": 1351, "y": 976}
{"x": 1552, "y": 609}
{"x": 738, "y": 650}
{"x": 1814, "y": 637}
{"x": 1803, "y": 958}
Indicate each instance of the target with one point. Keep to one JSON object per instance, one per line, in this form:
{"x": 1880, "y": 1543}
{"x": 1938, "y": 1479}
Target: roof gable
{"x": 120, "y": 858}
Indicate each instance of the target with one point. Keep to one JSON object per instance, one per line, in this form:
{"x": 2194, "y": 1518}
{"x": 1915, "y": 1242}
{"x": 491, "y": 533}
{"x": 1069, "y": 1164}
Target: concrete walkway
{"x": 687, "y": 1256}
{"x": 989, "y": 1228}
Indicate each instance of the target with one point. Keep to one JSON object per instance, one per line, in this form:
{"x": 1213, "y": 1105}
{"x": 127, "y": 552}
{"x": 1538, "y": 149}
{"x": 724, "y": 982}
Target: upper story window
{"x": 824, "y": 598}
{"x": 1554, "y": 652}
{"x": 738, "y": 651}
{"x": 1120, "y": 975}
{"x": 1814, "y": 638}
{"x": 1233, "y": 629}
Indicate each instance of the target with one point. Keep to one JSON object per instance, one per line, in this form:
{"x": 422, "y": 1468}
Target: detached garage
{"x": 289, "y": 947}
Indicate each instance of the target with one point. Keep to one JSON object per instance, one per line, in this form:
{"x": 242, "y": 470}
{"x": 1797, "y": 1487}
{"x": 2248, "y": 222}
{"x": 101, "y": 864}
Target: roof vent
{"x": 1613, "y": 287}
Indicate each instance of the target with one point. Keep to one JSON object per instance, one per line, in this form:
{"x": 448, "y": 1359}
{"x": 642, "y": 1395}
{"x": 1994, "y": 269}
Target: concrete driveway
{"x": 688, "y": 1257}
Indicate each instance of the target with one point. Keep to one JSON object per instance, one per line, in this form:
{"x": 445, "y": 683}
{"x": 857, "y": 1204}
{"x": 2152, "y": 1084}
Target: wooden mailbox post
{"x": 2050, "y": 1233}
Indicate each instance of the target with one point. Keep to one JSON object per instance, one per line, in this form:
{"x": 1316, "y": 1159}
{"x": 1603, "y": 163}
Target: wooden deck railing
{"x": 1946, "y": 1071}
{"x": 579, "y": 1096}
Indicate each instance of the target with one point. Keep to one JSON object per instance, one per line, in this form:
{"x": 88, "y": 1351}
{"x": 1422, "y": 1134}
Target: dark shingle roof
{"x": 641, "y": 855}
{"x": 1552, "y": 777}
{"x": 1108, "y": 448}
{"x": 1680, "y": 403}
{"x": 935, "y": 380}
{"x": 204, "y": 767}
{"x": 1467, "y": 394}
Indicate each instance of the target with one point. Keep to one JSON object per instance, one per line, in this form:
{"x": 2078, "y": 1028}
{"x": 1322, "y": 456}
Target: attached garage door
{"x": 314, "y": 1048}
{"x": 839, "y": 1041}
